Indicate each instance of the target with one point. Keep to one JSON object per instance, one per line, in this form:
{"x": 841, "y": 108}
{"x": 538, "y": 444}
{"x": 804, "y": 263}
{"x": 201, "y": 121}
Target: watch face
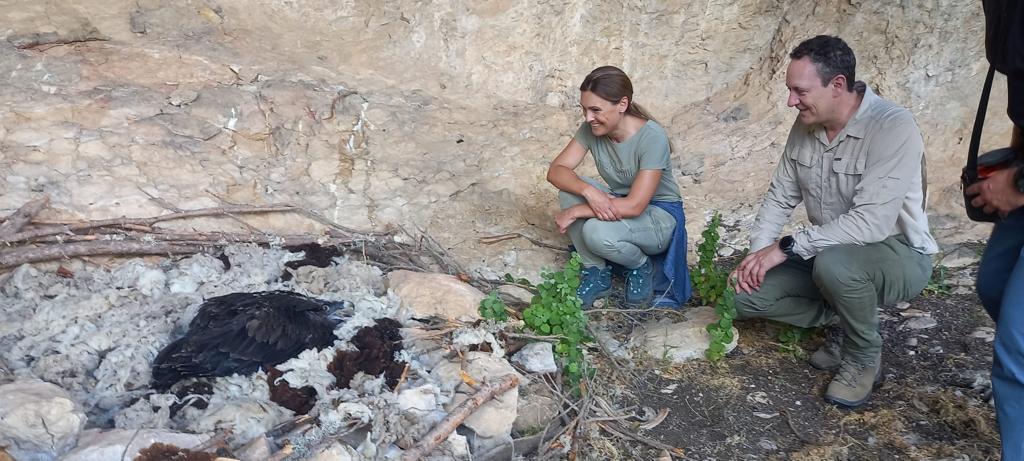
{"x": 1018, "y": 178}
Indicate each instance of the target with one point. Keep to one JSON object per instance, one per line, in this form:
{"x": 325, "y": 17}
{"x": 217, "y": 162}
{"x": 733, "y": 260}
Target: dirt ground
{"x": 762, "y": 402}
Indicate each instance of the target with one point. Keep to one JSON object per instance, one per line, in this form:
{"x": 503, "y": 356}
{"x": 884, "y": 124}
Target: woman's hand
{"x": 564, "y": 219}
{"x": 601, "y": 203}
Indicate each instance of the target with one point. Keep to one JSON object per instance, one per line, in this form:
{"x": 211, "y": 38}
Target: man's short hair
{"x": 831, "y": 57}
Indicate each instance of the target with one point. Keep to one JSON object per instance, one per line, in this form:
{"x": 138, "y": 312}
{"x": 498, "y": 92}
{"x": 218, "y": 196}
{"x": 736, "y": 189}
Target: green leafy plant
{"x": 712, "y": 286}
{"x": 939, "y": 283}
{"x": 709, "y": 282}
{"x": 556, "y": 310}
{"x": 493, "y": 308}
{"x": 790, "y": 337}
{"x": 721, "y": 331}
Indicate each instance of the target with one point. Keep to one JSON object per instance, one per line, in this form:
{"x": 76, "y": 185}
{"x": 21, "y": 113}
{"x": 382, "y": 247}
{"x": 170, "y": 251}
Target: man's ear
{"x": 839, "y": 83}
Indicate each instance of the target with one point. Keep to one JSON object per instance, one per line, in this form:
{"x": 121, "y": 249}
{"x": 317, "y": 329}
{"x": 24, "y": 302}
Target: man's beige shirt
{"x": 863, "y": 187}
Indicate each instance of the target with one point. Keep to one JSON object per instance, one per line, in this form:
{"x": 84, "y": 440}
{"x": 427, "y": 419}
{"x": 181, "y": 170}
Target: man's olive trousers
{"x": 850, "y": 281}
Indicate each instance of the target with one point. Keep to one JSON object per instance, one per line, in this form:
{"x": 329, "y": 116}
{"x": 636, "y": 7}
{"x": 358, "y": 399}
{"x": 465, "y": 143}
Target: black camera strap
{"x": 979, "y": 122}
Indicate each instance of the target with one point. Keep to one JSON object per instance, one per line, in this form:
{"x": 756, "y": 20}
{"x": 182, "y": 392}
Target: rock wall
{"x": 441, "y": 116}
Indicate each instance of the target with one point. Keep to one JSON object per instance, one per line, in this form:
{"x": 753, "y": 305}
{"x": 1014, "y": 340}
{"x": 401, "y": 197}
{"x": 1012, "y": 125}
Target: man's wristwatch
{"x": 786, "y": 245}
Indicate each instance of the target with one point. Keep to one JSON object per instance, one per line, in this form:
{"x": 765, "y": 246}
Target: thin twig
{"x": 500, "y": 238}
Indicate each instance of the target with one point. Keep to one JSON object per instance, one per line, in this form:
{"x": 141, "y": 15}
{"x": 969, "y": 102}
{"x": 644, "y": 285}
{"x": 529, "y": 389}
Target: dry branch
{"x": 148, "y": 222}
{"x": 23, "y": 216}
{"x": 501, "y": 238}
{"x": 440, "y": 432}
{"x": 19, "y": 256}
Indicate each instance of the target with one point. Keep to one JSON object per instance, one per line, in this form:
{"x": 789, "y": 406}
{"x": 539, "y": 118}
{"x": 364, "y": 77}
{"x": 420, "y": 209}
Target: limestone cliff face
{"x": 442, "y": 115}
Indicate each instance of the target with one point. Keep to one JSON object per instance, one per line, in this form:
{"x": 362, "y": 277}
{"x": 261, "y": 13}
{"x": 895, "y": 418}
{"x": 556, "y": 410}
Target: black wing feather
{"x": 239, "y": 332}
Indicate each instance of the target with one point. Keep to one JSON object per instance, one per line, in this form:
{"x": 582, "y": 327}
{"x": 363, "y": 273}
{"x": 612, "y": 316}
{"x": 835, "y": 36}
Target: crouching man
{"x": 856, "y": 161}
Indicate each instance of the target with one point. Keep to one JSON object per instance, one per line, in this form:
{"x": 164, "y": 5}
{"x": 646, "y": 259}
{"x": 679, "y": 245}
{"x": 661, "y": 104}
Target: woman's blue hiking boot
{"x": 640, "y": 284}
{"x": 595, "y": 283}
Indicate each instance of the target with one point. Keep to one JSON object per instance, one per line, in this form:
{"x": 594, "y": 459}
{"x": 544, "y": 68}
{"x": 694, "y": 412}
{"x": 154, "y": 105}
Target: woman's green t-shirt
{"x": 618, "y": 163}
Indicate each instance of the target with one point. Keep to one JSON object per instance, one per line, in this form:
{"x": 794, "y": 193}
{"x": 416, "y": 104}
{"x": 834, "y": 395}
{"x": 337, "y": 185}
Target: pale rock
{"x": 517, "y": 293}
{"x": 182, "y": 96}
{"x": 919, "y": 323}
{"x": 493, "y": 419}
{"x": 538, "y": 357}
{"x": 902, "y": 305}
{"x": 38, "y": 420}
{"x": 98, "y": 445}
{"x": 681, "y": 341}
{"x": 28, "y": 137}
{"x": 537, "y": 407}
{"x": 911, "y": 342}
{"x": 337, "y": 452}
{"x": 988, "y": 334}
{"x": 424, "y": 295}
{"x": 258, "y": 448}
{"x": 421, "y": 400}
{"x": 961, "y": 256}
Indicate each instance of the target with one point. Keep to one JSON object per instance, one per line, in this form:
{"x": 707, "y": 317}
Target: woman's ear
{"x": 623, "y": 104}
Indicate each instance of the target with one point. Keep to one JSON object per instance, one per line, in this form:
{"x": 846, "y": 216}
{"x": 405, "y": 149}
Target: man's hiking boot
{"x": 829, "y": 355}
{"x": 853, "y": 383}
{"x": 640, "y": 284}
{"x": 595, "y": 283}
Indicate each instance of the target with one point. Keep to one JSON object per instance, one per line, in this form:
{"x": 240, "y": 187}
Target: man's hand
{"x": 564, "y": 219}
{"x": 601, "y": 203}
{"x": 750, "y": 273}
{"x": 997, "y": 193}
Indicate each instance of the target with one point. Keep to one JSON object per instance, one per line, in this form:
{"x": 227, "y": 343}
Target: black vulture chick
{"x": 240, "y": 332}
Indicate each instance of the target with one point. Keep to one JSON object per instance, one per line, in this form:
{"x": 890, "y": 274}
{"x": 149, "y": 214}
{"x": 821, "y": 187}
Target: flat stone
{"x": 919, "y": 323}
{"x": 39, "y": 421}
{"x": 182, "y": 96}
{"x": 493, "y": 419}
{"x": 681, "y": 341}
{"x": 97, "y": 445}
{"x": 902, "y": 305}
{"x": 537, "y": 407}
{"x": 960, "y": 257}
{"x": 986, "y": 333}
{"x": 185, "y": 125}
{"x": 538, "y": 357}
{"x": 424, "y": 295}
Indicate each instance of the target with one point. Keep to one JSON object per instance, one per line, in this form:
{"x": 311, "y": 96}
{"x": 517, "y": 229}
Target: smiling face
{"x": 816, "y": 102}
{"x": 603, "y": 116}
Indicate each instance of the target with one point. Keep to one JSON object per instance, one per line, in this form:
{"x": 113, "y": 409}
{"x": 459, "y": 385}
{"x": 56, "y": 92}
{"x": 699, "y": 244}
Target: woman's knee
{"x": 597, "y": 236}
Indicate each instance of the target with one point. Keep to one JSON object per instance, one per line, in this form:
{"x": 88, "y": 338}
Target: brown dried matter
{"x": 376, "y": 346}
{"x": 299, "y": 400}
{"x": 165, "y": 452}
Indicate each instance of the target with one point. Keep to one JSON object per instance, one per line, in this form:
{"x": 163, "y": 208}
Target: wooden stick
{"x": 201, "y": 212}
{"x": 19, "y": 256}
{"x": 216, "y": 238}
{"x": 441, "y": 431}
{"x": 512, "y": 235}
{"x": 23, "y": 216}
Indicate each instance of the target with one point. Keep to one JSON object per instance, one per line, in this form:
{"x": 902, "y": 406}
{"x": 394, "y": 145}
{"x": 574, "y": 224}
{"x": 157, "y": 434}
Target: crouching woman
{"x": 637, "y": 214}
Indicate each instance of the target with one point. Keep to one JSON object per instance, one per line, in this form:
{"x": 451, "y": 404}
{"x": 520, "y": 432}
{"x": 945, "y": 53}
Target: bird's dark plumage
{"x": 239, "y": 332}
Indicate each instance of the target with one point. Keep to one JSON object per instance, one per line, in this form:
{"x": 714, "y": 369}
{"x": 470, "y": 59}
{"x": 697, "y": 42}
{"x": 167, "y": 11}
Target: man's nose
{"x": 793, "y": 100}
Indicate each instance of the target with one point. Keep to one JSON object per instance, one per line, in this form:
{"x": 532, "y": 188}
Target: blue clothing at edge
{"x": 1001, "y": 289}
{"x": 673, "y": 261}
